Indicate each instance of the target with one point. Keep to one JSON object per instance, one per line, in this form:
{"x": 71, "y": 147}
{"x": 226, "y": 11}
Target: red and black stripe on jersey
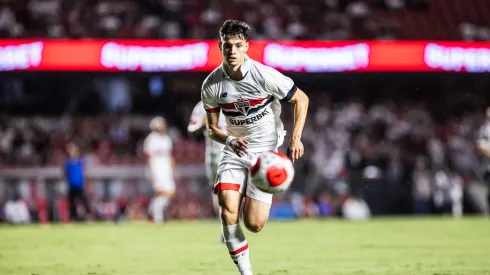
{"x": 255, "y": 105}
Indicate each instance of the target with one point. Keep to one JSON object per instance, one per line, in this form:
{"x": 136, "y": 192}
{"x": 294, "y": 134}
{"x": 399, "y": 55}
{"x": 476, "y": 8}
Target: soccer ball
{"x": 272, "y": 172}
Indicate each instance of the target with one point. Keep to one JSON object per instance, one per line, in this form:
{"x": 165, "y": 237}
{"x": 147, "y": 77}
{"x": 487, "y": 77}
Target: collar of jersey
{"x": 243, "y": 69}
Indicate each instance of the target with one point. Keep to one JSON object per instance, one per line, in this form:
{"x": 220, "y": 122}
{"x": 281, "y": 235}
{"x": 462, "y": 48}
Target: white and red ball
{"x": 272, "y": 172}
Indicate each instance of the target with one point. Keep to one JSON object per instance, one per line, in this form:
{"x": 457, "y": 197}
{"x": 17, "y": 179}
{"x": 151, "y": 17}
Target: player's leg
{"x": 456, "y": 194}
{"x": 229, "y": 191}
{"x": 255, "y": 214}
{"x": 164, "y": 192}
{"x": 211, "y": 171}
{"x": 256, "y": 208}
{"x": 158, "y": 207}
{"x": 86, "y": 204}
{"x": 72, "y": 197}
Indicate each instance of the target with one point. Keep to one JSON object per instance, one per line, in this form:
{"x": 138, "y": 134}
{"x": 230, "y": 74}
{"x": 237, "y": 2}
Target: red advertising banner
{"x": 288, "y": 56}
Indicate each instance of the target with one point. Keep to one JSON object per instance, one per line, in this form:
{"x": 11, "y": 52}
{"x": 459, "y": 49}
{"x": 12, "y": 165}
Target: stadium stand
{"x": 276, "y": 19}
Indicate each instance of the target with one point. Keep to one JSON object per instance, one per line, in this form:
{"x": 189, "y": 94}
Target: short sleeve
{"x": 208, "y": 97}
{"x": 197, "y": 117}
{"x": 279, "y": 85}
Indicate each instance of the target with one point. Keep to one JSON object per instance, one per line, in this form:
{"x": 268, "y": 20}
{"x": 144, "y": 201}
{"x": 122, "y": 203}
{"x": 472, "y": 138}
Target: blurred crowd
{"x": 272, "y": 19}
{"x": 104, "y": 140}
{"x": 398, "y": 145}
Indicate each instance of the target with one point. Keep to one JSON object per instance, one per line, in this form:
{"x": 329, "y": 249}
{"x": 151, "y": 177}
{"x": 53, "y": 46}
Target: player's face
{"x": 161, "y": 128}
{"x": 73, "y": 151}
{"x": 233, "y": 49}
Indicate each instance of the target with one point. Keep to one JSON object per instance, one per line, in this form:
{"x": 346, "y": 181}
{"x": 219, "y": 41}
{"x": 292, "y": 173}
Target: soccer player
{"x": 248, "y": 93}
{"x": 74, "y": 172}
{"x": 196, "y": 126}
{"x": 158, "y": 149}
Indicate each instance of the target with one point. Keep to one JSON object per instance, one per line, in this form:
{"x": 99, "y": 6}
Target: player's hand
{"x": 239, "y": 146}
{"x": 295, "y": 149}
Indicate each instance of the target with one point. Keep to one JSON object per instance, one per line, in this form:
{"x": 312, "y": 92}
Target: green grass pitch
{"x": 429, "y": 246}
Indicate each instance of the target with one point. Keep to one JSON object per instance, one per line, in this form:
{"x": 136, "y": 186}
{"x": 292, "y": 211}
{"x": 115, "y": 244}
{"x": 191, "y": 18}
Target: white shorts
{"x": 233, "y": 174}
{"x": 167, "y": 186}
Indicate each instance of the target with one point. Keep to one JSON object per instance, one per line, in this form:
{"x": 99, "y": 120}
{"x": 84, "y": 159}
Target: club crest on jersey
{"x": 242, "y": 105}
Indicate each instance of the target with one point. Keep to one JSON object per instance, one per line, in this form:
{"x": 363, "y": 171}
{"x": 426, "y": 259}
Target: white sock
{"x": 457, "y": 209}
{"x": 159, "y": 204}
{"x": 238, "y": 247}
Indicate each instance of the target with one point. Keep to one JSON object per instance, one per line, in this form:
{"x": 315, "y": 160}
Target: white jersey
{"x": 197, "y": 121}
{"x": 251, "y": 106}
{"x": 159, "y": 150}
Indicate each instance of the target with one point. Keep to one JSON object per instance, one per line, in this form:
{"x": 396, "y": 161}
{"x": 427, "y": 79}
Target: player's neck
{"x": 234, "y": 72}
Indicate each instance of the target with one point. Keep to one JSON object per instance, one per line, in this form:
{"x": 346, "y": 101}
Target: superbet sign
{"x": 287, "y": 56}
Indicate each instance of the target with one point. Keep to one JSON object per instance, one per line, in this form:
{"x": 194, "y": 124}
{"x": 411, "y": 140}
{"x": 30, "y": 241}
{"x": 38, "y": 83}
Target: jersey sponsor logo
{"x": 249, "y": 120}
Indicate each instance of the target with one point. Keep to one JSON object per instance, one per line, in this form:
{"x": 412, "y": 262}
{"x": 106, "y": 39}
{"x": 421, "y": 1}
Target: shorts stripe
{"x": 226, "y": 186}
{"x": 239, "y": 250}
{"x": 213, "y": 110}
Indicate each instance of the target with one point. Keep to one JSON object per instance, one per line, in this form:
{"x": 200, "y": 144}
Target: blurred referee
{"x": 74, "y": 171}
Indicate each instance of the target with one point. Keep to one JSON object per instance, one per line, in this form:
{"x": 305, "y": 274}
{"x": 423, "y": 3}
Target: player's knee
{"x": 253, "y": 226}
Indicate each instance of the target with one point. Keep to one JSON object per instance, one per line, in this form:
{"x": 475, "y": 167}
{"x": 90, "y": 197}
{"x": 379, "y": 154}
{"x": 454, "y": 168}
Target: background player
{"x": 74, "y": 172}
{"x": 158, "y": 148}
{"x": 197, "y": 125}
{"x": 248, "y": 94}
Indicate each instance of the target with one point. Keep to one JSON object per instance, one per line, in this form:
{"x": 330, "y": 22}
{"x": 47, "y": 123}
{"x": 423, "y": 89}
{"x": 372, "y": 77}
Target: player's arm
{"x": 284, "y": 89}
{"x": 197, "y": 121}
{"x": 485, "y": 151}
{"x": 211, "y": 105}
{"x": 147, "y": 152}
{"x": 214, "y": 132}
{"x": 483, "y": 141}
{"x": 295, "y": 147}
{"x": 150, "y": 169}
{"x": 173, "y": 165}
{"x": 195, "y": 130}
{"x": 482, "y": 146}
{"x": 239, "y": 145}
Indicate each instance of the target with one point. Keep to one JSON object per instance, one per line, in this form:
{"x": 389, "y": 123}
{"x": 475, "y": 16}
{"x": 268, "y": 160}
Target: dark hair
{"x": 234, "y": 28}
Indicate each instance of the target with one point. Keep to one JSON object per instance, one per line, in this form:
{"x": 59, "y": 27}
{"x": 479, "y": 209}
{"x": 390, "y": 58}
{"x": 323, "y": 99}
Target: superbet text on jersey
{"x": 251, "y": 105}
